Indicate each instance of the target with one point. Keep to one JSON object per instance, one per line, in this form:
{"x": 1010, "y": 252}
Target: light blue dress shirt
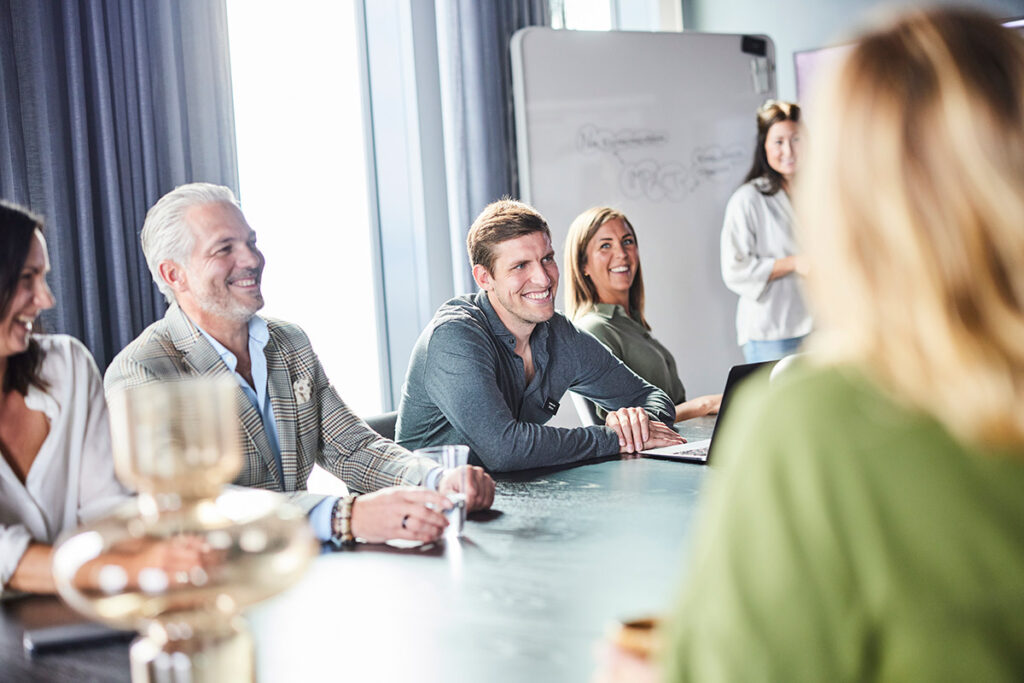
{"x": 259, "y": 335}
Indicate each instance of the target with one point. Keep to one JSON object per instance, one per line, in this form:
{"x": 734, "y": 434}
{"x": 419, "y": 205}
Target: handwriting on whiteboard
{"x": 653, "y": 178}
{"x": 591, "y": 138}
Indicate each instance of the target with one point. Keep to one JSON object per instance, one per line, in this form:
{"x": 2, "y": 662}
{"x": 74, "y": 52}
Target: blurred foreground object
{"x": 181, "y": 563}
{"x": 866, "y": 522}
{"x": 629, "y": 652}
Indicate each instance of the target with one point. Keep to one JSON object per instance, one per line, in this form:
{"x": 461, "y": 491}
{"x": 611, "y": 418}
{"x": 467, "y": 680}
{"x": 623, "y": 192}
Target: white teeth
{"x": 538, "y": 295}
{"x": 245, "y": 283}
{"x": 621, "y": 269}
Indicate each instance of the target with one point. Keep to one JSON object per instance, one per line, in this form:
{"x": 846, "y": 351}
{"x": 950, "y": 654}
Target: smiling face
{"x": 522, "y": 282}
{"x": 31, "y": 296}
{"x": 782, "y": 147}
{"x": 612, "y": 262}
{"x": 221, "y": 282}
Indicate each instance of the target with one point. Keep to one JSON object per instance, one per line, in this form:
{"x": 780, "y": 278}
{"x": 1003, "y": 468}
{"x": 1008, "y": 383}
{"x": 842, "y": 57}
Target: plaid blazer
{"x": 316, "y": 426}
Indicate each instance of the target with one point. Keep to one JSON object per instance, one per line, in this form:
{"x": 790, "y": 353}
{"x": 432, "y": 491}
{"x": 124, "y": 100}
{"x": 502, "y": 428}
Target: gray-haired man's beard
{"x": 228, "y": 308}
{"x": 234, "y": 311}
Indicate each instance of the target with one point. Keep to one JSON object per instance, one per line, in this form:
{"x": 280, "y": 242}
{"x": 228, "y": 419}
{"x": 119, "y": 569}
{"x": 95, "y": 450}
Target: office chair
{"x": 783, "y": 365}
{"x": 586, "y": 410}
{"x": 384, "y": 424}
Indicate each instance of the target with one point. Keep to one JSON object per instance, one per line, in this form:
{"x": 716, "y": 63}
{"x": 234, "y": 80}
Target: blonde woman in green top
{"x": 867, "y": 523}
{"x": 605, "y": 297}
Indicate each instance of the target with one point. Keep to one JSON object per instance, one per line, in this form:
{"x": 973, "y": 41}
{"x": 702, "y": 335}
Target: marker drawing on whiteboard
{"x": 653, "y": 179}
{"x": 715, "y": 163}
{"x": 590, "y": 138}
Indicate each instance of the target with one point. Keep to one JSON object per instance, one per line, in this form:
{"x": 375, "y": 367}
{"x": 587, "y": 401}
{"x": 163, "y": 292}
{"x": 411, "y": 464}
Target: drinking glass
{"x": 452, "y": 457}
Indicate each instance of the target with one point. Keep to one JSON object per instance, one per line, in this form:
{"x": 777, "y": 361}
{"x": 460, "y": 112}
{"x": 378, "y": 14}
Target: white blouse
{"x": 71, "y": 479}
{"x": 758, "y": 229}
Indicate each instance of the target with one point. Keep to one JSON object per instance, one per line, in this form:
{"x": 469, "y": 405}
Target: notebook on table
{"x": 700, "y": 451}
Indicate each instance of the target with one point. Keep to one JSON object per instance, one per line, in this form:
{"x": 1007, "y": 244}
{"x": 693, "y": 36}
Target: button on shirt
{"x": 259, "y": 335}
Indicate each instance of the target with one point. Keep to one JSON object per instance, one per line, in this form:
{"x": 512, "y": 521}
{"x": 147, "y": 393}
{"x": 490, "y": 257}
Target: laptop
{"x": 700, "y": 451}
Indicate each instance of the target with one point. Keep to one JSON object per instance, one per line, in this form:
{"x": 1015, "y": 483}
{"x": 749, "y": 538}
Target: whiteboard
{"x": 660, "y": 126}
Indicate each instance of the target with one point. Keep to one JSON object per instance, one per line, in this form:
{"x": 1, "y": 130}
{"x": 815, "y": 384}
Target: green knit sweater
{"x": 846, "y": 538}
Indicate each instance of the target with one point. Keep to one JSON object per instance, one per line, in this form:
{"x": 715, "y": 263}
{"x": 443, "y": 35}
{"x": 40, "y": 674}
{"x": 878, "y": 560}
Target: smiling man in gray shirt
{"x": 491, "y": 368}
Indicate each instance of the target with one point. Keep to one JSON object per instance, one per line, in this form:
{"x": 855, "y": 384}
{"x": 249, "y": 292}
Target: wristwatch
{"x": 341, "y": 521}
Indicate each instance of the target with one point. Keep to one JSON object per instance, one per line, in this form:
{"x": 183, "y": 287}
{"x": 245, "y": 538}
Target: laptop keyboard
{"x": 696, "y": 450}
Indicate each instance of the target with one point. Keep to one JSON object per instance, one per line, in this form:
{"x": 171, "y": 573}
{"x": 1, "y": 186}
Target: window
{"x": 295, "y": 72}
{"x": 623, "y": 15}
{"x": 583, "y": 15}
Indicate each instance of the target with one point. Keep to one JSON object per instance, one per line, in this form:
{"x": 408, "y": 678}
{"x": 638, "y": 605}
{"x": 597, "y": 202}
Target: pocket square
{"x": 303, "y": 390}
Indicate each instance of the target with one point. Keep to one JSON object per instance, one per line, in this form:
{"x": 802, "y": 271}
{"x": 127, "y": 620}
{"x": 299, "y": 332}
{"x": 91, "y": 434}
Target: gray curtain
{"x": 479, "y": 124}
{"x": 107, "y": 106}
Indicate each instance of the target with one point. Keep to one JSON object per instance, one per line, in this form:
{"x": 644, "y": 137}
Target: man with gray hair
{"x": 203, "y": 257}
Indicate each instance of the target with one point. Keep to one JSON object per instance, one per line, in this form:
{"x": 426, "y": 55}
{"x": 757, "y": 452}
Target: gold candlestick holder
{"x": 181, "y": 561}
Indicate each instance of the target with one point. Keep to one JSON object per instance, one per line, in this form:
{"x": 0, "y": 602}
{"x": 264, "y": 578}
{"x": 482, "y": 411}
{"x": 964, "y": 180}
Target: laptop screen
{"x": 701, "y": 451}
{"x": 739, "y": 374}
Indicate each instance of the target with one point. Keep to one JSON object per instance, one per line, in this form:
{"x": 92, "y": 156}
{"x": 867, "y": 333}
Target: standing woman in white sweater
{"x": 56, "y": 470}
{"x": 761, "y": 261}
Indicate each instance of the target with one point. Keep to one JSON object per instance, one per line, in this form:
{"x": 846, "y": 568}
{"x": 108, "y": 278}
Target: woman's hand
{"x": 699, "y": 407}
{"x": 797, "y": 263}
{"x": 800, "y": 265}
{"x": 33, "y": 573}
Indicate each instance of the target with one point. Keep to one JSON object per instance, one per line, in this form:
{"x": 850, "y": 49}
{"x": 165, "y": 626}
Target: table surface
{"x": 525, "y": 594}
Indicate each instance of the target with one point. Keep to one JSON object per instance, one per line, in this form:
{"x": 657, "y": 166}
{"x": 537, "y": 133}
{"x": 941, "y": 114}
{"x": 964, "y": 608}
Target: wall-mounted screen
{"x": 808, "y": 63}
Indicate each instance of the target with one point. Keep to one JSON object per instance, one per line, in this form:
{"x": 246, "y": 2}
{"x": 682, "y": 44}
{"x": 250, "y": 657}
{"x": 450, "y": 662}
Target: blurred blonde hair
{"x": 580, "y": 294}
{"x": 912, "y": 208}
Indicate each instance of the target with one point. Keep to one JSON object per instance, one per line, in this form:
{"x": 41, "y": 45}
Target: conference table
{"x": 524, "y": 595}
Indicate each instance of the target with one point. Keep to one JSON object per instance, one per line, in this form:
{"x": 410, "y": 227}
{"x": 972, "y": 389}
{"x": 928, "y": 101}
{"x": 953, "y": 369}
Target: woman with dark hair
{"x": 760, "y": 259}
{"x": 56, "y": 471}
{"x": 605, "y": 297}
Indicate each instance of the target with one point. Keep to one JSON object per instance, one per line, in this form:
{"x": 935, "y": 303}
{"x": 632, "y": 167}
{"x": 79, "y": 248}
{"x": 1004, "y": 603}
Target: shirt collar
{"x": 493, "y": 321}
{"x": 259, "y": 335}
{"x": 498, "y": 328}
{"x": 607, "y": 311}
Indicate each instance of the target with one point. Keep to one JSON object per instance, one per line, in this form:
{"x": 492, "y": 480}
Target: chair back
{"x": 586, "y": 410}
{"x": 384, "y": 424}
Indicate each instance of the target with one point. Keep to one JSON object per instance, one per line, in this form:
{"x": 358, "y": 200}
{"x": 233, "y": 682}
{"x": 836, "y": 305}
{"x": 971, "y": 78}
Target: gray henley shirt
{"x": 466, "y": 385}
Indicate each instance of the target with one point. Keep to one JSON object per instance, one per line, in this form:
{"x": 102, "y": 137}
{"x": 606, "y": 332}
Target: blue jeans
{"x": 760, "y": 351}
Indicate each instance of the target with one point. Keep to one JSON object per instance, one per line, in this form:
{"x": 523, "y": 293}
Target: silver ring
{"x": 404, "y": 520}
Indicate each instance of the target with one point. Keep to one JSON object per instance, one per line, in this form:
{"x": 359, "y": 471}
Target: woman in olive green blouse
{"x": 605, "y": 297}
{"x": 867, "y": 521}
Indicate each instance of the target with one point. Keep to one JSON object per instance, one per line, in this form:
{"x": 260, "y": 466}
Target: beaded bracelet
{"x": 341, "y": 521}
